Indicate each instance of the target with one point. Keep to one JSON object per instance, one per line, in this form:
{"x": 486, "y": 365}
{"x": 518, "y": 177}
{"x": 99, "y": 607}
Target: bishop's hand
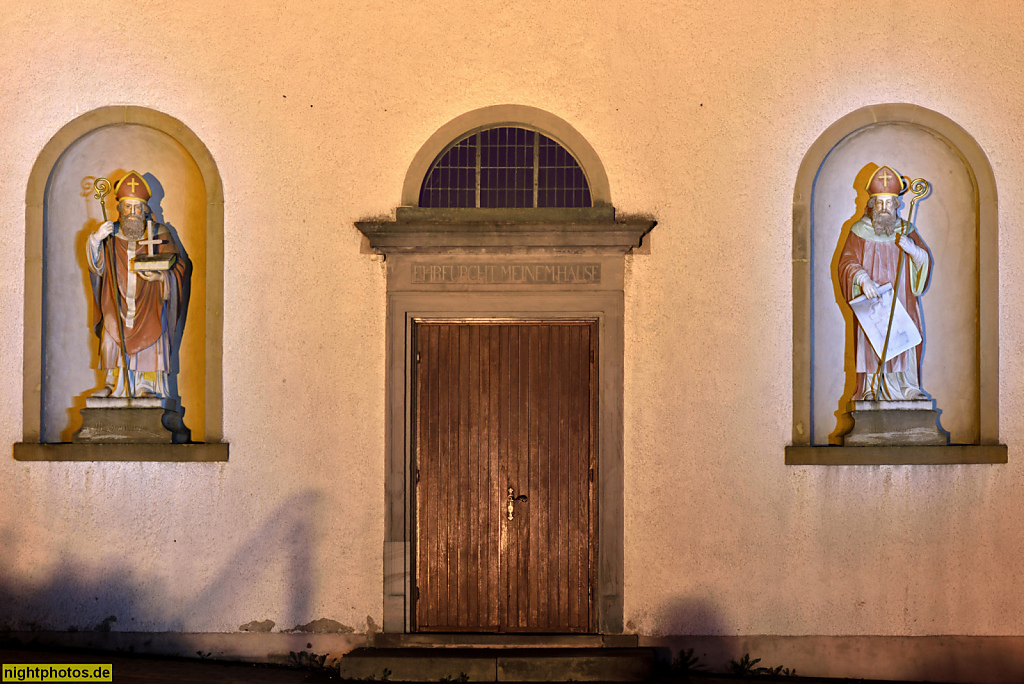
{"x": 868, "y": 286}
{"x": 105, "y": 230}
{"x": 917, "y": 254}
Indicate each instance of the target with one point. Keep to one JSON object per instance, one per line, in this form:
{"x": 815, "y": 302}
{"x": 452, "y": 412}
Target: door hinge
{"x": 417, "y": 476}
{"x": 590, "y": 474}
{"x": 415, "y": 593}
{"x": 417, "y": 357}
{"x": 591, "y": 356}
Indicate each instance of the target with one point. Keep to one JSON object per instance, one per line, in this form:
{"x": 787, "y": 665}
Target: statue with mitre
{"x": 137, "y": 278}
{"x": 883, "y": 270}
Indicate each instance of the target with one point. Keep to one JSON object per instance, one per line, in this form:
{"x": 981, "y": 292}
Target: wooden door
{"x": 502, "y": 405}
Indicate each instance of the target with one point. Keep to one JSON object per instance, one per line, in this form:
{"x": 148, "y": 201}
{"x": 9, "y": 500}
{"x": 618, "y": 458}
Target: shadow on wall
{"x": 693, "y": 623}
{"x": 688, "y": 617}
{"x": 693, "y": 616}
{"x": 78, "y": 597}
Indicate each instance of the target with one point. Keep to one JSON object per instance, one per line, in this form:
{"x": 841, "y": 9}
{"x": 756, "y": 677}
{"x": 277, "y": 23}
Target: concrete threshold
{"x": 500, "y": 664}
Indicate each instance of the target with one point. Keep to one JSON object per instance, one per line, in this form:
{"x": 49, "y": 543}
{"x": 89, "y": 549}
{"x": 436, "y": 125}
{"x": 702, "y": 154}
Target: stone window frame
{"x": 988, "y": 449}
{"x": 540, "y": 233}
{"x": 30, "y": 448}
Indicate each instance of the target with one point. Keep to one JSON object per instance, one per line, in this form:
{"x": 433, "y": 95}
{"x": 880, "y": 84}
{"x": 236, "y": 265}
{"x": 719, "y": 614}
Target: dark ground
{"x": 136, "y": 669}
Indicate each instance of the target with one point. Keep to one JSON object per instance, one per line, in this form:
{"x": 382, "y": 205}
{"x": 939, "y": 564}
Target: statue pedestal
{"x": 118, "y": 420}
{"x": 895, "y": 423}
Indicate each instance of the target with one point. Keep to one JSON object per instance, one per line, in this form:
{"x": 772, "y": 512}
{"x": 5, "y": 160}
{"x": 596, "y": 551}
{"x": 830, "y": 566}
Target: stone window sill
{"x": 166, "y": 453}
{"x": 895, "y": 455}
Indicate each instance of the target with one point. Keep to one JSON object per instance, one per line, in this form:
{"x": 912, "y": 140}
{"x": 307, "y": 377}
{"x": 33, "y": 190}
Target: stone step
{"x": 499, "y": 664}
{"x": 504, "y": 640}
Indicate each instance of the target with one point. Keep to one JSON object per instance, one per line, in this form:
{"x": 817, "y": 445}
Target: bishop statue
{"x": 137, "y": 277}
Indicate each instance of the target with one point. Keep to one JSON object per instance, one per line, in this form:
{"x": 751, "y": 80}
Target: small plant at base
{"x": 312, "y": 661}
{"x": 202, "y": 656}
{"x": 463, "y": 677}
{"x": 687, "y": 662}
{"x": 745, "y": 666}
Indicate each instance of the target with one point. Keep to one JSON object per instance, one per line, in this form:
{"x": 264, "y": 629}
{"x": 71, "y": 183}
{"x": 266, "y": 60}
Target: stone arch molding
{"x": 508, "y": 115}
{"x": 208, "y": 445}
{"x": 900, "y": 122}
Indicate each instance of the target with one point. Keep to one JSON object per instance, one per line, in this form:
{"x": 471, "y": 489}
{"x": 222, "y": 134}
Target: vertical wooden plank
{"x": 474, "y": 538}
{"x": 493, "y": 476}
{"x": 482, "y": 485}
{"x": 420, "y": 458}
{"x": 562, "y": 458}
{"x": 426, "y": 491}
{"x": 579, "y": 402}
{"x": 516, "y": 445}
{"x": 503, "y": 415}
{"x": 582, "y": 511}
{"x": 462, "y": 531}
{"x": 443, "y": 453}
{"x": 535, "y": 484}
{"x": 527, "y": 442}
{"x": 535, "y": 535}
{"x": 576, "y": 474}
{"x": 548, "y": 447}
{"x": 593, "y": 339}
{"x": 542, "y": 467}
{"x": 449, "y": 597}
{"x": 480, "y": 463}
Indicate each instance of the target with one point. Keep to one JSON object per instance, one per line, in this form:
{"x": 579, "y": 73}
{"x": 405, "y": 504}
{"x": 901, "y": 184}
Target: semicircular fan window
{"x": 505, "y": 167}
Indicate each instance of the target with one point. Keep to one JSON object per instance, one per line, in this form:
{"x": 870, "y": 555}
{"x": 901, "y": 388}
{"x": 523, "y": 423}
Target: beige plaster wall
{"x": 701, "y": 114}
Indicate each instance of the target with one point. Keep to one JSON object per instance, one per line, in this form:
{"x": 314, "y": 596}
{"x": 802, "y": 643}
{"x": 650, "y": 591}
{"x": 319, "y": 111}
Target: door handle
{"x": 511, "y": 499}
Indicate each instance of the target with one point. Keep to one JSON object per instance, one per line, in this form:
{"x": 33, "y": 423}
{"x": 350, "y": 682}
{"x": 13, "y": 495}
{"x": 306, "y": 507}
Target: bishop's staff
{"x": 102, "y": 188}
{"x": 920, "y": 187}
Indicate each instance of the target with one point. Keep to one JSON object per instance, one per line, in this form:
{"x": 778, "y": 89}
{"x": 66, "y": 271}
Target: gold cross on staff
{"x": 885, "y": 177}
{"x": 134, "y": 184}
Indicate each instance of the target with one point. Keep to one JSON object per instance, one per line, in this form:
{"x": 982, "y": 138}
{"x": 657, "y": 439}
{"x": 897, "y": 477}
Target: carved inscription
{"x": 507, "y": 274}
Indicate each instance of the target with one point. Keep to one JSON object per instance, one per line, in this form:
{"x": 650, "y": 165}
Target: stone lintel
{"x": 505, "y": 236}
{"x": 563, "y": 215}
{"x": 98, "y": 451}
{"x": 896, "y": 455}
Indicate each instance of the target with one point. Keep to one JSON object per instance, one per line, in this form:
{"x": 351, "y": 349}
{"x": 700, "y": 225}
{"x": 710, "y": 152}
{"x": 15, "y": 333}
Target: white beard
{"x": 884, "y": 224}
{"x": 133, "y": 227}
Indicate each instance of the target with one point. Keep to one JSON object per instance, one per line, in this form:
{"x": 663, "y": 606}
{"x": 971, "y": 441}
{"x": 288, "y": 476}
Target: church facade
{"x": 518, "y": 321}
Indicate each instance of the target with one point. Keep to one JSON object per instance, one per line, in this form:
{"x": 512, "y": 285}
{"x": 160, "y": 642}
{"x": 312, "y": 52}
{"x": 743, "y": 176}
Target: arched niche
{"x": 958, "y": 221}
{"x": 60, "y": 348}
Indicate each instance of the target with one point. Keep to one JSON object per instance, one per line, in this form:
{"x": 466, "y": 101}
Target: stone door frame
{"x": 403, "y": 309}
{"x": 539, "y": 238}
